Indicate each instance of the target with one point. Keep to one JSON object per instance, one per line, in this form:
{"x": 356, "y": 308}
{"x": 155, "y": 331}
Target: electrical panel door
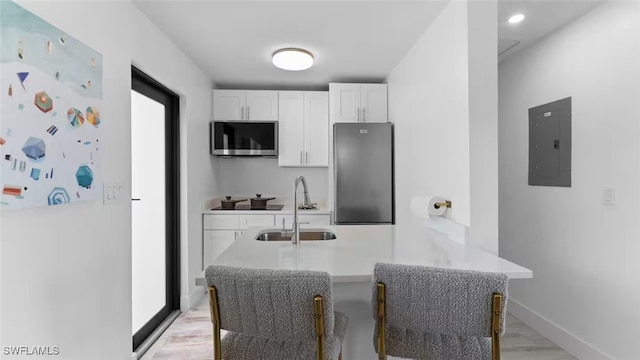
{"x": 550, "y": 144}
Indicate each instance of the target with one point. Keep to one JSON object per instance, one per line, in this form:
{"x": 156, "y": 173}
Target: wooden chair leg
{"x": 215, "y": 319}
{"x": 496, "y": 315}
{"x": 382, "y": 314}
{"x": 319, "y": 314}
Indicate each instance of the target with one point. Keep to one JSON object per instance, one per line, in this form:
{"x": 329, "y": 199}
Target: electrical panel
{"x": 550, "y": 144}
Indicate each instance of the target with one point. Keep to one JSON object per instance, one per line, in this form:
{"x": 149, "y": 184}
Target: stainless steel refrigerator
{"x": 363, "y": 173}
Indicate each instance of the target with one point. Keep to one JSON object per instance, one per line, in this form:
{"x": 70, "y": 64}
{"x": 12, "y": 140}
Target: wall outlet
{"x": 112, "y": 193}
{"x": 609, "y": 195}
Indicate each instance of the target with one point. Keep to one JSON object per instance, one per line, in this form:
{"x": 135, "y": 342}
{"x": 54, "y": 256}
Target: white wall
{"x": 482, "y": 17}
{"x": 428, "y": 92}
{"x": 444, "y": 75}
{"x": 247, "y": 176}
{"x": 66, "y": 271}
{"x": 585, "y": 294}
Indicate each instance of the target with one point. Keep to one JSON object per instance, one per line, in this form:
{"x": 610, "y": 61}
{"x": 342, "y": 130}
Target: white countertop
{"x": 352, "y": 255}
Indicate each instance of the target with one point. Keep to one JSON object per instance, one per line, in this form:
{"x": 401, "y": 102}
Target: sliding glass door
{"x": 154, "y": 204}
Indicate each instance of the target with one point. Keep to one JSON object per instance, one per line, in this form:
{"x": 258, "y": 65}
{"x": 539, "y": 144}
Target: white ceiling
{"x": 352, "y": 41}
{"x": 232, "y": 41}
{"x": 542, "y": 18}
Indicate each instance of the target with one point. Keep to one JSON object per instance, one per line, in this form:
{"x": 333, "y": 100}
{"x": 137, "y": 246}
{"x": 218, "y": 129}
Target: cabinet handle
{"x": 300, "y": 157}
{"x": 248, "y": 108}
{"x": 364, "y": 119}
{"x": 241, "y": 112}
{"x": 358, "y": 113}
{"x": 306, "y": 161}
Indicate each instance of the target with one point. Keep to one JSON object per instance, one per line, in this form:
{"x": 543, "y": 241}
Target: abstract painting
{"x": 50, "y": 101}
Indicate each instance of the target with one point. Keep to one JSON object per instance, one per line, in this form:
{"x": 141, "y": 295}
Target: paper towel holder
{"x": 445, "y": 203}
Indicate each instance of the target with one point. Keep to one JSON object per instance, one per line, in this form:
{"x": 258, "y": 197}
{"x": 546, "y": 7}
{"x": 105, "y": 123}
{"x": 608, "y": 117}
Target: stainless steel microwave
{"x": 244, "y": 138}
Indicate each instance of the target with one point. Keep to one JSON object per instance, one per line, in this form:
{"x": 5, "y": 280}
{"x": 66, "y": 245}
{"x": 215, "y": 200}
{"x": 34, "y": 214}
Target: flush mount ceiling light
{"x": 292, "y": 59}
{"x": 516, "y": 18}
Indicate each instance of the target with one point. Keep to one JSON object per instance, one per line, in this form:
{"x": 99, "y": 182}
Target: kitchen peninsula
{"x": 350, "y": 258}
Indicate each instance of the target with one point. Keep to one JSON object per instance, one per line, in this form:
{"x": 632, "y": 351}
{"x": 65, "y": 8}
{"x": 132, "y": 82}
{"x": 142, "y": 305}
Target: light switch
{"x": 609, "y": 195}
{"x": 111, "y": 193}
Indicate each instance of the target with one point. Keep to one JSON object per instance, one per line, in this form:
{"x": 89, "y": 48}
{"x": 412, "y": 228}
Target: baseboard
{"x": 188, "y": 302}
{"x": 563, "y": 338}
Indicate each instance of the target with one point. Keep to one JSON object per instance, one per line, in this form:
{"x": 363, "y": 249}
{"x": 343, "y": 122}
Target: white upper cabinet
{"x": 373, "y": 103}
{"x": 358, "y": 102}
{"x": 262, "y": 105}
{"x": 290, "y": 128}
{"x": 228, "y": 104}
{"x": 303, "y": 128}
{"x": 255, "y": 105}
{"x": 345, "y": 102}
{"x": 316, "y": 128}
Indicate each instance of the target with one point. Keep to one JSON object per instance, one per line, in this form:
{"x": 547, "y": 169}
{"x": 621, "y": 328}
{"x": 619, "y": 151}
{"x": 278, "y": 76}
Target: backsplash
{"x": 247, "y": 175}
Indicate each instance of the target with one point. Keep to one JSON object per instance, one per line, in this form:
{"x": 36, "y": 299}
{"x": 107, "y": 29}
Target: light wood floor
{"x": 189, "y": 338}
{"x": 520, "y": 342}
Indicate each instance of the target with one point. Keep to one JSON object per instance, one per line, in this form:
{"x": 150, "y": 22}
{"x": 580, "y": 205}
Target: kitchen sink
{"x": 305, "y": 235}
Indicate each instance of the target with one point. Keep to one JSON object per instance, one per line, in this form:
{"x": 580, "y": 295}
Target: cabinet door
{"x": 229, "y": 105}
{"x": 247, "y": 221}
{"x": 214, "y": 243}
{"x": 220, "y": 222}
{"x": 316, "y": 128}
{"x": 373, "y": 103}
{"x": 262, "y": 105}
{"x": 290, "y": 128}
{"x": 313, "y": 220}
{"x": 345, "y": 102}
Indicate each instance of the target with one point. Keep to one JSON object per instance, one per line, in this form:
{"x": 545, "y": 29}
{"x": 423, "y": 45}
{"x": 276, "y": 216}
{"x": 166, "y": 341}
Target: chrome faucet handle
{"x": 301, "y": 223}
{"x": 298, "y": 226}
{"x": 284, "y": 228}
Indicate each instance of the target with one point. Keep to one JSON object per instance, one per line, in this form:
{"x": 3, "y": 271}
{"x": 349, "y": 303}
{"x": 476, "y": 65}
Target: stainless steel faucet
{"x": 295, "y": 238}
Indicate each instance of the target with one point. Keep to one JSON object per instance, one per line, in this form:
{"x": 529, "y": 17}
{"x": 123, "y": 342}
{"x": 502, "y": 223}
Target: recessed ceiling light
{"x": 514, "y": 19}
{"x": 293, "y": 59}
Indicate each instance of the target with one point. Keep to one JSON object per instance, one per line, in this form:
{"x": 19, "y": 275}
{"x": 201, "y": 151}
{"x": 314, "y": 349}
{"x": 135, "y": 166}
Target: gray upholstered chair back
{"x": 440, "y": 301}
{"x": 276, "y": 304}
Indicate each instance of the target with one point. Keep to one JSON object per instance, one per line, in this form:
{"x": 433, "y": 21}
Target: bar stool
{"x": 273, "y": 314}
{"x": 438, "y": 314}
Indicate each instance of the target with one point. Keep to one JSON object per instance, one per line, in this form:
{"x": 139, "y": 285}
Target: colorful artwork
{"x": 43, "y": 72}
